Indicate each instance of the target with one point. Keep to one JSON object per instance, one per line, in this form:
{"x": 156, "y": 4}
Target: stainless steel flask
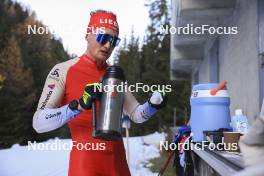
{"x": 108, "y": 125}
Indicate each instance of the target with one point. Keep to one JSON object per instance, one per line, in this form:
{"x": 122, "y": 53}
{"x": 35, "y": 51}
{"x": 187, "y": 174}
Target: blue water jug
{"x": 209, "y": 109}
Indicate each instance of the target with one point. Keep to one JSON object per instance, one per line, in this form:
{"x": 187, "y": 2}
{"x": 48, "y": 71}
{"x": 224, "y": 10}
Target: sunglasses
{"x": 104, "y": 38}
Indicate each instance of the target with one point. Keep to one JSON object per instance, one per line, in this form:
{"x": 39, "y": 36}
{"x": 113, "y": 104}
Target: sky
{"x": 69, "y": 18}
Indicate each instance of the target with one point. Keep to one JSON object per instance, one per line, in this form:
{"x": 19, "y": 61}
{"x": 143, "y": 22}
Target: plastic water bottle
{"x": 239, "y": 122}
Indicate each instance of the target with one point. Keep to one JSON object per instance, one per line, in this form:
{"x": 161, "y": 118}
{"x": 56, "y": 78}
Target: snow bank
{"x": 154, "y": 139}
{"x": 19, "y": 161}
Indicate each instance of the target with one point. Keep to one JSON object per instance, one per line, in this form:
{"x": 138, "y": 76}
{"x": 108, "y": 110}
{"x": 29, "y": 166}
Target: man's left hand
{"x": 158, "y": 100}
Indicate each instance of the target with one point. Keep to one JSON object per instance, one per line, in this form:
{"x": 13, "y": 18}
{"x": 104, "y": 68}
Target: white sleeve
{"x": 49, "y": 114}
{"x": 51, "y": 119}
{"x": 136, "y": 112}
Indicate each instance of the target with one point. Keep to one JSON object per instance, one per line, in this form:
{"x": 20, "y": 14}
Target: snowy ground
{"x": 19, "y": 161}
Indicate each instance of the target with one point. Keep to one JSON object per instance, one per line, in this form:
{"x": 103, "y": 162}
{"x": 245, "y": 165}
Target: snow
{"x": 142, "y": 149}
{"x": 24, "y": 161}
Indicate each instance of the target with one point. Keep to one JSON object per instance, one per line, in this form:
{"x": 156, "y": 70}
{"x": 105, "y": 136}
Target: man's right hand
{"x": 90, "y": 94}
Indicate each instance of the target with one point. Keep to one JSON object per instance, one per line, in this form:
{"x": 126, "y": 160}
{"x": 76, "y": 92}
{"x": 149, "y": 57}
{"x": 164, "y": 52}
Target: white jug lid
{"x": 207, "y": 93}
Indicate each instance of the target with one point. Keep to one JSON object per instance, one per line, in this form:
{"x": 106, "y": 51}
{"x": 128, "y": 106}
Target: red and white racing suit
{"x": 66, "y": 82}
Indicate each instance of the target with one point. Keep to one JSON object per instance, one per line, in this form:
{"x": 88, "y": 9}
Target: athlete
{"x": 67, "y": 96}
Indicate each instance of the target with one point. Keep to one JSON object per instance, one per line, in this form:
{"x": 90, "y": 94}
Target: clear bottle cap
{"x": 238, "y": 112}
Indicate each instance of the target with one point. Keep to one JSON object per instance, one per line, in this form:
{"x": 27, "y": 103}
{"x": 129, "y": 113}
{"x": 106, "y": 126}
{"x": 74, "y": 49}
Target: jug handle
{"x": 219, "y": 87}
{"x": 94, "y": 118}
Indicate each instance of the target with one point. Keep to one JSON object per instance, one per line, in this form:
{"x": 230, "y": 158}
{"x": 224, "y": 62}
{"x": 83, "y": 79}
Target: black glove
{"x": 158, "y": 100}
{"x": 90, "y": 94}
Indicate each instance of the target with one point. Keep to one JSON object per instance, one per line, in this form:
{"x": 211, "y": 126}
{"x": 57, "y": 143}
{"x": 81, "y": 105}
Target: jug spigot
{"x": 219, "y": 87}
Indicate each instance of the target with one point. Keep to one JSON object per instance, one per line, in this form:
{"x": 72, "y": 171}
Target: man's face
{"x": 98, "y": 51}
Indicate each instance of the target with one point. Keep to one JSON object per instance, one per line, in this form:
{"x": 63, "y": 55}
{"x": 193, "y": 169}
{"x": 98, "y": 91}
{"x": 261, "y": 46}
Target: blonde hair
{"x": 102, "y": 11}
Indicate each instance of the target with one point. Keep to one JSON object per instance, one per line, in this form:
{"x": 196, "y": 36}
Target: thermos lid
{"x": 114, "y": 71}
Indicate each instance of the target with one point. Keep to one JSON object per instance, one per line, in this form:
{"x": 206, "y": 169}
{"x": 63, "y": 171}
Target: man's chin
{"x": 102, "y": 58}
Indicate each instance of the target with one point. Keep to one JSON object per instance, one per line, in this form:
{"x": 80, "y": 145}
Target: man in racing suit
{"x": 67, "y": 96}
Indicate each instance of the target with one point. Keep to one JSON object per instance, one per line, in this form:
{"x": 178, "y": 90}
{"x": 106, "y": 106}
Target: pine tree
{"x": 2, "y": 78}
{"x": 156, "y": 52}
{"x": 25, "y": 61}
{"x": 129, "y": 57}
{"x": 153, "y": 66}
{"x": 16, "y": 95}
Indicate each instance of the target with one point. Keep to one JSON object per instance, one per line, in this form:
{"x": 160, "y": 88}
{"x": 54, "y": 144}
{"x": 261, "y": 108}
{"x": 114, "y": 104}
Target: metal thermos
{"x": 108, "y": 125}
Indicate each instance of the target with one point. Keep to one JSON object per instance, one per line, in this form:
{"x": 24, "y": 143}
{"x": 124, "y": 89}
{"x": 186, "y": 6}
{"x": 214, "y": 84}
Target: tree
{"x": 2, "y": 78}
{"x": 151, "y": 65}
{"x": 129, "y": 55}
{"x": 25, "y": 61}
{"x": 16, "y": 95}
